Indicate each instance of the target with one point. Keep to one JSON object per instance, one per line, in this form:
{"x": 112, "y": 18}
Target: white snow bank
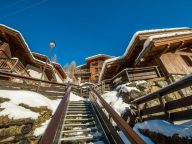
{"x": 29, "y": 98}
{"x": 126, "y": 141}
{"x": 115, "y": 102}
{"x": 165, "y": 128}
{"x": 125, "y": 88}
{"x": 40, "y": 130}
{"x": 140, "y": 82}
{"x": 74, "y": 97}
{"x": 17, "y": 112}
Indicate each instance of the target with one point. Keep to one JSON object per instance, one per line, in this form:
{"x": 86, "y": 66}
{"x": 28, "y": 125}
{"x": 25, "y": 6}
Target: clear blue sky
{"x": 82, "y": 28}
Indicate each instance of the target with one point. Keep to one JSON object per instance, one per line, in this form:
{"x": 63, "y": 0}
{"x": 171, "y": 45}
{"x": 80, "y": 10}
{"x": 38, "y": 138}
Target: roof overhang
{"x": 114, "y": 65}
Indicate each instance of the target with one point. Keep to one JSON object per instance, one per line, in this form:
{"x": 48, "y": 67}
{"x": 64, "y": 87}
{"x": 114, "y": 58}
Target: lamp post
{"x": 51, "y": 45}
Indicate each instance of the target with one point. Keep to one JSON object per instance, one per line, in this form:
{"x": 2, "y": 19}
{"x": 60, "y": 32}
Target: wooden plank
{"x": 182, "y": 115}
{"x": 151, "y": 110}
{"x": 183, "y": 102}
{"x": 142, "y": 78}
{"x": 162, "y": 116}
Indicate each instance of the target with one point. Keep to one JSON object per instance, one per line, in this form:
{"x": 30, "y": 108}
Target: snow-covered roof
{"x": 28, "y": 49}
{"x": 132, "y": 41}
{"x": 98, "y": 55}
{"x": 25, "y": 43}
{"x": 80, "y": 65}
{"x": 151, "y": 38}
{"x": 54, "y": 63}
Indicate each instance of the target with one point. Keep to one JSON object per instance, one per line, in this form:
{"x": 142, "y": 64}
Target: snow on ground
{"x": 40, "y": 130}
{"x": 125, "y": 88}
{"x": 165, "y": 128}
{"x": 17, "y": 112}
{"x": 74, "y": 97}
{"x": 159, "y": 126}
{"x": 140, "y": 82}
{"x": 115, "y": 102}
{"x": 29, "y": 98}
{"x": 126, "y": 141}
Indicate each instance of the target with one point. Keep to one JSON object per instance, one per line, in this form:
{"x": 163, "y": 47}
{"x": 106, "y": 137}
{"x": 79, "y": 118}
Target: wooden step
{"x": 97, "y": 136}
{"x": 93, "y": 129}
{"x": 80, "y": 125}
{"x": 79, "y": 120}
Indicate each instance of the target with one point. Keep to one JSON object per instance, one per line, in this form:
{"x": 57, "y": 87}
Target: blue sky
{"x": 82, "y": 28}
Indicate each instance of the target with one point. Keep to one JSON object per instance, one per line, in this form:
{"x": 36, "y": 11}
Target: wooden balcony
{"x": 13, "y": 65}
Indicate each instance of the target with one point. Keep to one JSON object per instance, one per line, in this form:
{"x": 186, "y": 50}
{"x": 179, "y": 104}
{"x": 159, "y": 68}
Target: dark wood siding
{"x": 173, "y": 63}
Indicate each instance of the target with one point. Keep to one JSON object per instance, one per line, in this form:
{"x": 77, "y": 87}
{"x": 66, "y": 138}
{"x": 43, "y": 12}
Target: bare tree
{"x": 72, "y": 69}
{"x": 54, "y": 59}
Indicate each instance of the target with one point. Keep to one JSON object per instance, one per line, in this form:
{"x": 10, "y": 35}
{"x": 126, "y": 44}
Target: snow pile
{"x": 165, "y": 128}
{"x": 74, "y": 97}
{"x": 140, "y": 82}
{"x": 40, "y": 130}
{"x": 115, "y": 102}
{"x": 29, "y": 98}
{"x": 17, "y": 112}
{"x": 126, "y": 141}
{"x": 125, "y": 88}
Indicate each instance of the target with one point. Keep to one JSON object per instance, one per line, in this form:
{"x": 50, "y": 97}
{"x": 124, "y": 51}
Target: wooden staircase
{"x": 81, "y": 125}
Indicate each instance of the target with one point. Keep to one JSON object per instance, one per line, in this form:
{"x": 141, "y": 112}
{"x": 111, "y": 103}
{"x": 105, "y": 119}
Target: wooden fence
{"x": 49, "y": 89}
{"x": 13, "y": 65}
{"x": 174, "y": 110}
{"x": 135, "y": 74}
{"x": 128, "y": 75}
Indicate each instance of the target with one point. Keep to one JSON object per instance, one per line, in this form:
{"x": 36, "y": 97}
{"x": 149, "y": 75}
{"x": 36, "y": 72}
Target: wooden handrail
{"x": 13, "y": 64}
{"x": 30, "y": 78}
{"x": 52, "y": 132}
{"x": 178, "y": 85}
{"x": 127, "y": 130}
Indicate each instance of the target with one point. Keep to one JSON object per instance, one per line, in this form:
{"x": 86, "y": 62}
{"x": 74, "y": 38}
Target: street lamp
{"x": 51, "y": 45}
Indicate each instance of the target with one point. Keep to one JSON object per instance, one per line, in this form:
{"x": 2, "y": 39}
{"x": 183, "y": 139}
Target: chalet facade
{"x": 16, "y": 57}
{"x": 90, "y": 71}
{"x": 169, "y": 50}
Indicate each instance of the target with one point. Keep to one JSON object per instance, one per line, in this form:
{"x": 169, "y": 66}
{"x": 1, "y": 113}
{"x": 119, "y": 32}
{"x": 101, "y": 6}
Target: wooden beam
{"x": 182, "y": 43}
{"x": 166, "y": 49}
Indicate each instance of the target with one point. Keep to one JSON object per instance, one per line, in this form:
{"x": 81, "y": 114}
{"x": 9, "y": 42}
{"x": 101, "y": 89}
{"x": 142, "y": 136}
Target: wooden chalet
{"x": 16, "y": 57}
{"x": 166, "y": 52}
{"x": 90, "y": 71}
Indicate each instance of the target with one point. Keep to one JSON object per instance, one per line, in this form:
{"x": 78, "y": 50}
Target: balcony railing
{"x": 13, "y": 65}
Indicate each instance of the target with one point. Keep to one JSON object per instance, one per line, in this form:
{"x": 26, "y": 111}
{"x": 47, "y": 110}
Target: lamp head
{"x": 52, "y": 44}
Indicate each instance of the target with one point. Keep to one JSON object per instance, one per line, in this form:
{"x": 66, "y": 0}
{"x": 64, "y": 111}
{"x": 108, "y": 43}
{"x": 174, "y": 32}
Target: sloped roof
{"x": 11, "y": 35}
{"x": 133, "y": 49}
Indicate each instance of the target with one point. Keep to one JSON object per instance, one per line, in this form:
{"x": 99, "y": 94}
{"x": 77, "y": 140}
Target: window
{"x": 187, "y": 60}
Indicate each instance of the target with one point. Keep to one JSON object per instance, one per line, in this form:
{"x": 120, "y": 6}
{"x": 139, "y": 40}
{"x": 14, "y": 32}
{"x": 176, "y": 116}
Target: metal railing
{"x": 132, "y": 136}
{"x": 52, "y": 132}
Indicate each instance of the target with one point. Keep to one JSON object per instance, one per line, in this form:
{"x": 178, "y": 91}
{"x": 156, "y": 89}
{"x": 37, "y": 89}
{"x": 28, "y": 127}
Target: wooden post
{"x": 157, "y": 70}
{"x": 139, "y": 112}
{"x": 163, "y": 106}
{"x": 127, "y": 75}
